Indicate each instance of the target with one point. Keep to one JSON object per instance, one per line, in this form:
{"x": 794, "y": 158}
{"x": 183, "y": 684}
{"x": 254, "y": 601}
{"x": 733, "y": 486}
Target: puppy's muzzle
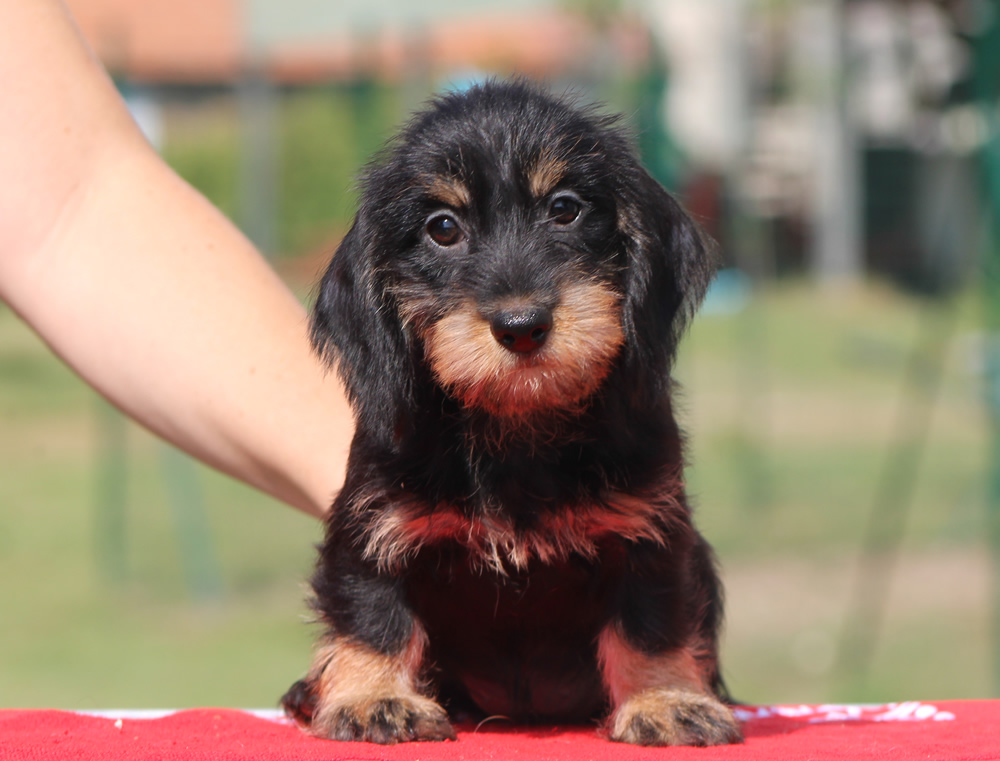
{"x": 522, "y": 330}
{"x": 528, "y": 356}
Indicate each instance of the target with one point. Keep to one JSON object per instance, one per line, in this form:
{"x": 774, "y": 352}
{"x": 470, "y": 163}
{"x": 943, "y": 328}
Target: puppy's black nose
{"x": 522, "y": 330}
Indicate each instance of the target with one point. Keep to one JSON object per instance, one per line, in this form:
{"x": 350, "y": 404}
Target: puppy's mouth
{"x": 521, "y": 359}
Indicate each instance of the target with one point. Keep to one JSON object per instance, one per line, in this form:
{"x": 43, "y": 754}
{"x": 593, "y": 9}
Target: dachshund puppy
{"x": 513, "y": 537}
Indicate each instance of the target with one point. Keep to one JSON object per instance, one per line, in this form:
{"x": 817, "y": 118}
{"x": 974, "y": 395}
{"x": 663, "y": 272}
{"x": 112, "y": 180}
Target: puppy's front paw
{"x": 673, "y": 717}
{"x": 383, "y": 720}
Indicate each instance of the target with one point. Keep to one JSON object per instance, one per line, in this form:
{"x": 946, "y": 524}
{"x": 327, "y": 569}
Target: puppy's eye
{"x": 564, "y": 210}
{"x": 444, "y": 230}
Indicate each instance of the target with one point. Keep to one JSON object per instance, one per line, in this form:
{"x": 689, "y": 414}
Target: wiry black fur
{"x": 514, "y": 641}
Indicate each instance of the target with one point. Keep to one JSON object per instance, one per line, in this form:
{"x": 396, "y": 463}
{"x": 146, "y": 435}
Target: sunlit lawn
{"x": 791, "y": 407}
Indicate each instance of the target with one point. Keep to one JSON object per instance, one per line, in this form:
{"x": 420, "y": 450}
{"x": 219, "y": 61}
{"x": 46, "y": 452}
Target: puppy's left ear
{"x": 670, "y": 266}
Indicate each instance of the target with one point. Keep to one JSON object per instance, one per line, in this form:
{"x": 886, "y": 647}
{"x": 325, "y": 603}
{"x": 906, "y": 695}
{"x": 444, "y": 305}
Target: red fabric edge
{"x": 951, "y": 730}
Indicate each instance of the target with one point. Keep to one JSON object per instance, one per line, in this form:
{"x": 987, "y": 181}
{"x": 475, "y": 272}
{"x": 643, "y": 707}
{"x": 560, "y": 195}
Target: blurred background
{"x": 840, "y": 385}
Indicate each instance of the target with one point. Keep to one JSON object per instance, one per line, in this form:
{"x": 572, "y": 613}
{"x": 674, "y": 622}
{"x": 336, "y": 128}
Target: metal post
{"x": 259, "y": 159}
{"x": 837, "y": 254}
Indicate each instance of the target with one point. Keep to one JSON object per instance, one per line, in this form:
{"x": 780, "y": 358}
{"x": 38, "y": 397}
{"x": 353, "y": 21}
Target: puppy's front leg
{"x": 364, "y": 683}
{"x": 661, "y": 698}
{"x": 658, "y": 655}
{"x": 353, "y": 692}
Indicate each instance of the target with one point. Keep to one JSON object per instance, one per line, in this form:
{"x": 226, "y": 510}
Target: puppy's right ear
{"x": 355, "y": 326}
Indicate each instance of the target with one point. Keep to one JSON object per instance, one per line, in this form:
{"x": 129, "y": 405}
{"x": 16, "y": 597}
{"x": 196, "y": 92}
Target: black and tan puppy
{"x": 513, "y": 537}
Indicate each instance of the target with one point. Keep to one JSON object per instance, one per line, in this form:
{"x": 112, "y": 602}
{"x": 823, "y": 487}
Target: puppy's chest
{"x": 507, "y": 541}
{"x": 520, "y": 644}
{"x": 506, "y": 515}
{"x": 557, "y": 596}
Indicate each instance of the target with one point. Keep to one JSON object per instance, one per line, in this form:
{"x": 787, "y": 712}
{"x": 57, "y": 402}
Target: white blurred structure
{"x": 704, "y": 41}
{"x": 843, "y": 76}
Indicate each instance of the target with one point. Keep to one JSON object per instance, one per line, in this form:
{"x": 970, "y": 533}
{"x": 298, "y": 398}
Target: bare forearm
{"x": 148, "y": 291}
{"x": 152, "y": 296}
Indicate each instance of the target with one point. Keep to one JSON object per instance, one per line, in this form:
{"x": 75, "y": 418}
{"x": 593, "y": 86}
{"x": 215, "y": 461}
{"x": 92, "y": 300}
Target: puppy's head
{"x": 510, "y": 249}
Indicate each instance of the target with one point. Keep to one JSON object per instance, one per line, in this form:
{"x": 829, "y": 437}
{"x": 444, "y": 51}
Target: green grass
{"x": 72, "y": 638}
{"x": 790, "y": 407}
{"x": 796, "y": 428}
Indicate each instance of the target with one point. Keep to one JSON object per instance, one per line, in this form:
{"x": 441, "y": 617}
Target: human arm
{"x": 142, "y": 286}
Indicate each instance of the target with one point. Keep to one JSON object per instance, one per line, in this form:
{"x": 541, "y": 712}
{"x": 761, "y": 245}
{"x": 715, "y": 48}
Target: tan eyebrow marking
{"x": 450, "y": 191}
{"x": 545, "y": 174}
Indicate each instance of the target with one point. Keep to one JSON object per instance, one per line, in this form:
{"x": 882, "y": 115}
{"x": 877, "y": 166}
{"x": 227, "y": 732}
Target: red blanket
{"x": 940, "y": 731}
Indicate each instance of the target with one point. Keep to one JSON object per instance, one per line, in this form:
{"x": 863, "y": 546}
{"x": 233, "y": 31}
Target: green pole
{"x": 194, "y": 535}
{"x": 110, "y": 502}
{"x": 986, "y": 60}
